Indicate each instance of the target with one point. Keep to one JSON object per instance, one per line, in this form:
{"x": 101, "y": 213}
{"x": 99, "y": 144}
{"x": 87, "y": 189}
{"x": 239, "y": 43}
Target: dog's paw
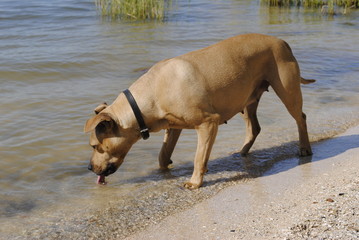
{"x": 191, "y": 186}
{"x": 305, "y": 152}
{"x": 243, "y": 153}
{"x": 166, "y": 167}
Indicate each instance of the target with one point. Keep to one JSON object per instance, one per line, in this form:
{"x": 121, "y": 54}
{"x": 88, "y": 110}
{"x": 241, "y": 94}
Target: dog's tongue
{"x": 101, "y": 179}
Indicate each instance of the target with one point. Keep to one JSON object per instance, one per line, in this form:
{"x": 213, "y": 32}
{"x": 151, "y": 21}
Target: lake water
{"x": 60, "y": 59}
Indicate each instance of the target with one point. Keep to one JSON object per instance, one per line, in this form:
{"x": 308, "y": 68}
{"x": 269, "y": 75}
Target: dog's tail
{"x": 306, "y": 81}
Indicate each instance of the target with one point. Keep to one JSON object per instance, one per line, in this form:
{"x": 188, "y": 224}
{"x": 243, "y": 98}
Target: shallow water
{"x": 59, "y": 60}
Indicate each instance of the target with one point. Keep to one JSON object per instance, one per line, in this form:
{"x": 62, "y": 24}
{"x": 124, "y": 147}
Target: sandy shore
{"x": 286, "y": 198}
{"x": 318, "y": 199}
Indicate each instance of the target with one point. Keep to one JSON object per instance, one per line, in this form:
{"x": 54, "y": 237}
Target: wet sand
{"x": 289, "y": 198}
{"x": 315, "y": 200}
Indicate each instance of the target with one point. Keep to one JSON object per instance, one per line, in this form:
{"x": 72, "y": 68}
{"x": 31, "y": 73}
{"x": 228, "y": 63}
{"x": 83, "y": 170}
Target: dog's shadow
{"x": 259, "y": 162}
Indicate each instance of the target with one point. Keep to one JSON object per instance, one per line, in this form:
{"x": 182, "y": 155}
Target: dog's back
{"x": 223, "y": 78}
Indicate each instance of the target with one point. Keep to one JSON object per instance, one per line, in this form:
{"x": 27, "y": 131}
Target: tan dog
{"x": 200, "y": 90}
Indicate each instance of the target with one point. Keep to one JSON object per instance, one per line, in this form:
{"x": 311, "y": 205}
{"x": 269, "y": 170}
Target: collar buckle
{"x": 145, "y": 133}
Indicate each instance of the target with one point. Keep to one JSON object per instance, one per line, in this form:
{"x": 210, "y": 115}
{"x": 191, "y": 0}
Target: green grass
{"x": 313, "y": 3}
{"x": 155, "y": 9}
{"x": 132, "y": 9}
{"x": 327, "y": 5}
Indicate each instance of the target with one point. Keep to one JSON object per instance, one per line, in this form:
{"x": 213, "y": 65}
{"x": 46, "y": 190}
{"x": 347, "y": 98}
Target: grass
{"x": 326, "y": 6}
{"x": 155, "y": 9}
{"x": 132, "y": 9}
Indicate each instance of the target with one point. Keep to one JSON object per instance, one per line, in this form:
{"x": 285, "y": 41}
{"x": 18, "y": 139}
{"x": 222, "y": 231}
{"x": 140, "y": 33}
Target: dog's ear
{"x": 100, "y": 107}
{"x": 103, "y": 120}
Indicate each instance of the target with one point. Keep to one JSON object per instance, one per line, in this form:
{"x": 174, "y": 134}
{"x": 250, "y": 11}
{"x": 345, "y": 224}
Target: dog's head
{"x": 110, "y": 142}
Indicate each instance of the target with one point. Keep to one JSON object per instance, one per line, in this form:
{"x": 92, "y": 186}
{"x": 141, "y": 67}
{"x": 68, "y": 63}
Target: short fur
{"x": 201, "y": 90}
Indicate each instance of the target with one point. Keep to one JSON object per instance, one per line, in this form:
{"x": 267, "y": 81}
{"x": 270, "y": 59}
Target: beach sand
{"x": 315, "y": 200}
{"x": 314, "y": 197}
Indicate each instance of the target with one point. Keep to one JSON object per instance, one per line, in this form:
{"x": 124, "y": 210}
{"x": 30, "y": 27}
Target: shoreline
{"x": 315, "y": 200}
{"x": 284, "y": 198}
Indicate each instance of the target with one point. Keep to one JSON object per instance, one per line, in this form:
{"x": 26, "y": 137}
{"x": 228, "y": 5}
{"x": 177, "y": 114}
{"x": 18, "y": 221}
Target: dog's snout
{"x": 90, "y": 167}
{"x": 111, "y": 168}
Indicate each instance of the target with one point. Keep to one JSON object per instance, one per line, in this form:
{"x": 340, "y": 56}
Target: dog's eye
{"x": 93, "y": 146}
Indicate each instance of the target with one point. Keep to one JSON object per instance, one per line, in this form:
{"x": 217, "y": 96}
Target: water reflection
{"x": 60, "y": 60}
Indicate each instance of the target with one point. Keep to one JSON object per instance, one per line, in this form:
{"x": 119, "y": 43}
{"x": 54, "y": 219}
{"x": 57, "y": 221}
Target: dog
{"x": 199, "y": 90}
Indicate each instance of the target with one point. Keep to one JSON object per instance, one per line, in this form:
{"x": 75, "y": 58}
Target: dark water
{"x": 60, "y": 59}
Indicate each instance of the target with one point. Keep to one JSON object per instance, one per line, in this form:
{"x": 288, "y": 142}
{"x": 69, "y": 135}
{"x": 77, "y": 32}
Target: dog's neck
{"x": 121, "y": 108}
{"x": 123, "y": 112}
{"x": 144, "y": 131}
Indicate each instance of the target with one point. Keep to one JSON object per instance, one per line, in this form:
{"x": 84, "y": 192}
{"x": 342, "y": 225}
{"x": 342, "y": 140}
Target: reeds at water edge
{"x": 132, "y": 9}
{"x": 156, "y": 9}
{"x": 326, "y": 6}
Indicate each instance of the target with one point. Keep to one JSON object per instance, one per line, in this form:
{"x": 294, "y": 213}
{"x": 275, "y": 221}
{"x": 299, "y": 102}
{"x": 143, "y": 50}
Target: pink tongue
{"x": 101, "y": 179}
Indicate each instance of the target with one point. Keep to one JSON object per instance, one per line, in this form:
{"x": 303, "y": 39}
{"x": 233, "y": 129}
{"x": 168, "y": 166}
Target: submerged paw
{"x": 305, "y": 152}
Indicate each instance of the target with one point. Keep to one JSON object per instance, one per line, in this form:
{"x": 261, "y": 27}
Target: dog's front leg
{"x": 206, "y": 133}
{"x": 169, "y": 143}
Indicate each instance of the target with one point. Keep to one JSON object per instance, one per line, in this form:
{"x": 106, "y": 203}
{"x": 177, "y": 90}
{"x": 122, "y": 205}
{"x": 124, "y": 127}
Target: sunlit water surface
{"x": 59, "y": 60}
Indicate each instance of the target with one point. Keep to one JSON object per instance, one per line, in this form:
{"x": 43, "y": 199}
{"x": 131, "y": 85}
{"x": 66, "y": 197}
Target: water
{"x": 60, "y": 59}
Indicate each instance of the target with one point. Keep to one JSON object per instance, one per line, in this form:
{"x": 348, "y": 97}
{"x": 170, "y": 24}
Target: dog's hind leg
{"x": 295, "y": 109}
{"x": 291, "y": 95}
{"x": 252, "y": 126}
{"x": 169, "y": 143}
{"x": 250, "y": 117}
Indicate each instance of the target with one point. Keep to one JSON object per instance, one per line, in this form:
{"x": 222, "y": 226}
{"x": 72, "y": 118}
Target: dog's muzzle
{"x": 89, "y": 167}
{"x": 111, "y": 168}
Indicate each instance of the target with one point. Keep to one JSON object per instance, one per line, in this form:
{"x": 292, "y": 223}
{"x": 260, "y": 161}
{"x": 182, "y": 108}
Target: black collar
{"x": 136, "y": 110}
